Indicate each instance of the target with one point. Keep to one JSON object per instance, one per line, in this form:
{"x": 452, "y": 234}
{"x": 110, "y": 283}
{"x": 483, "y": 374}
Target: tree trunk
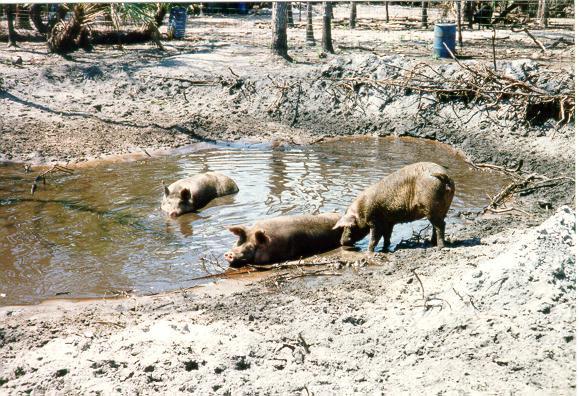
{"x": 299, "y": 11}
{"x": 352, "y": 15}
{"x": 160, "y": 14}
{"x": 69, "y": 36}
{"x": 387, "y": 13}
{"x": 309, "y": 25}
{"x": 23, "y": 17}
{"x": 327, "y": 28}
{"x": 9, "y": 9}
{"x": 459, "y": 21}
{"x": 290, "y": 15}
{"x": 58, "y": 16}
{"x": 544, "y": 13}
{"x": 36, "y": 17}
{"x": 279, "y": 29}
{"x": 468, "y": 12}
{"x": 424, "y": 14}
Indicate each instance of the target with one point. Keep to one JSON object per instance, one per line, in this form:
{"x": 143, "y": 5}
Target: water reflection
{"x": 101, "y": 229}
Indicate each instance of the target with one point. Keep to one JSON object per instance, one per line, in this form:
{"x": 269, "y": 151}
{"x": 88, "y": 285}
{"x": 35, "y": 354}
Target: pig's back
{"x": 302, "y": 235}
{"x": 224, "y": 185}
{"x": 211, "y": 183}
{"x": 410, "y": 192}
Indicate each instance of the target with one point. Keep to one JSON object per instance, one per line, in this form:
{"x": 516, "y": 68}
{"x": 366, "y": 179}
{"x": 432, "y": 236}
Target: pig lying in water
{"x": 284, "y": 238}
{"x": 192, "y": 193}
{"x": 419, "y": 190}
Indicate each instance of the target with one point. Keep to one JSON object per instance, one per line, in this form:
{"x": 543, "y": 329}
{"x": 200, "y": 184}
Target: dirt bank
{"x": 493, "y": 313}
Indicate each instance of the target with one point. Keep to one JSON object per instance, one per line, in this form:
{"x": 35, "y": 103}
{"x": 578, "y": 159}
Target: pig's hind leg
{"x": 438, "y": 227}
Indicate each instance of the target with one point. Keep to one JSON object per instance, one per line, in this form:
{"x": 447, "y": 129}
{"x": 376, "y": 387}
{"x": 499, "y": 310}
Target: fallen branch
{"x": 187, "y": 80}
{"x": 523, "y": 186}
{"x": 475, "y": 83}
{"x": 419, "y": 281}
{"x": 560, "y": 40}
{"x": 539, "y": 44}
{"x": 500, "y": 282}
{"x": 224, "y": 274}
{"x": 303, "y": 343}
{"x": 110, "y": 323}
{"x": 42, "y": 176}
{"x": 500, "y": 211}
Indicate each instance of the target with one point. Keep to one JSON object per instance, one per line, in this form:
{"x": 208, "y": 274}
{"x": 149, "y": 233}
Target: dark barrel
{"x": 444, "y": 33}
{"x": 178, "y": 21}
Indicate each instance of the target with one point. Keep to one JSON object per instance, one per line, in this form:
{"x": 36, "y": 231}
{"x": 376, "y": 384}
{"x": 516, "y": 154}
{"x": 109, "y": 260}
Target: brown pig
{"x": 284, "y": 238}
{"x": 423, "y": 189}
{"x": 192, "y": 193}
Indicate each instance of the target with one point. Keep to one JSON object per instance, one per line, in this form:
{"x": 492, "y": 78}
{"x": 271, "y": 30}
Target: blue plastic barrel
{"x": 243, "y": 8}
{"x": 444, "y": 33}
{"x": 178, "y": 21}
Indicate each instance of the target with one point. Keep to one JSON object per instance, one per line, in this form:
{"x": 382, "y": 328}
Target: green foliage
{"x": 143, "y": 13}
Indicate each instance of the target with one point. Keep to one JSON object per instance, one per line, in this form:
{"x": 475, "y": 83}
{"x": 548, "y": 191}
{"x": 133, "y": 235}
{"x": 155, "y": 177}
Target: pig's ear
{"x": 238, "y": 230}
{"x": 165, "y": 189}
{"x": 346, "y": 221}
{"x": 185, "y": 194}
{"x": 261, "y": 237}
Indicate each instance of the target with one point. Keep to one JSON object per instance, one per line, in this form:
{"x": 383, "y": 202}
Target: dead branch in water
{"x": 225, "y": 274}
{"x": 298, "y": 264}
{"x": 42, "y": 176}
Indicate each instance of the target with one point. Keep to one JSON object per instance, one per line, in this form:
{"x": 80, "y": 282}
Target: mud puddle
{"x": 99, "y": 231}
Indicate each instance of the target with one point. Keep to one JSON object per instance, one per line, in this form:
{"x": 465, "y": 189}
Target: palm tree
{"x": 36, "y": 18}
{"x": 160, "y": 14}
{"x": 70, "y": 35}
{"x": 327, "y": 28}
{"x": 279, "y": 29}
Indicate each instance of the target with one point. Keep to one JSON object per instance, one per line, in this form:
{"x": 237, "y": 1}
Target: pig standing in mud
{"x": 192, "y": 193}
{"x": 284, "y": 238}
{"x": 419, "y": 190}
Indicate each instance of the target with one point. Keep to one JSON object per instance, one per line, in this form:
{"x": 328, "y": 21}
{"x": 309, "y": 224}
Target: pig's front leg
{"x": 387, "y": 234}
{"x": 375, "y": 236}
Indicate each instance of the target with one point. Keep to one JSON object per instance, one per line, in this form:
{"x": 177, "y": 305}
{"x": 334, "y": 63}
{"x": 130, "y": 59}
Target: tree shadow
{"x": 171, "y": 128}
{"x": 425, "y": 244}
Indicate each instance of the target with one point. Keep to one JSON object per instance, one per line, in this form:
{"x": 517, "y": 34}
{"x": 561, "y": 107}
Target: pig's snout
{"x": 174, "y": 214}
{"x": 229, "y": 256}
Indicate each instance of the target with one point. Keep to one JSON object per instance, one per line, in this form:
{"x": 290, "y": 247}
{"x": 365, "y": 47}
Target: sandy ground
{"x": 493, "y": 313}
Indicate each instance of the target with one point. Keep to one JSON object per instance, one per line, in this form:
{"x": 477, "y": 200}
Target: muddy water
{"x": 99, "y": 231}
